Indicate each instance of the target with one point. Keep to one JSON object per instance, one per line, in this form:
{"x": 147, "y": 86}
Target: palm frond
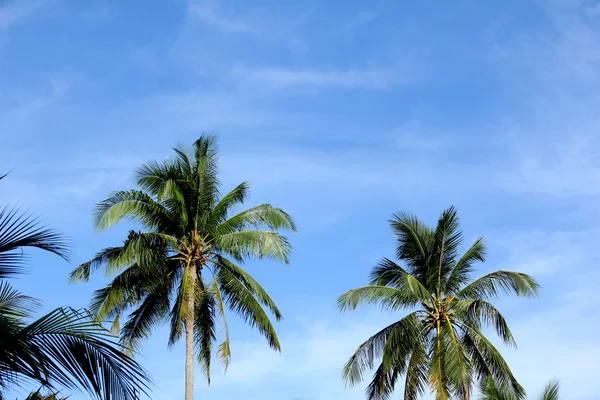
{"x": 386, "y": 297}
{"x": 105, "y": 257}
{"x": 405, "y": 333}
{"x": 388, "y": 273}
{"x": 242, "y": 301}
{"x": 447, "y": 239}
{"x": 258, "y": 244}
{"x": 440, "y": 366}
{"x": 489, "y": 391}
{"x": 551, "y": 391}
{"x": 258, "y": 217}
{"x": 416, "y": 372}
{"x": 460, "y": 274}
{"x": 383, "y": 383}
{"x": 489, "y": 286}
{"x": 19, "y": 230}
{"x": 181, "y": 312}
{"x": 158, "y": 179}
{"x": 481, "y": 313}
{"x": 152, "y": 310}
{"x": 205, "y": 327}
{"x": 251, "y": 284}
{"x": 124, "y": 290}
{"x": 489, "y": 363}
{"x": 75, "y": 352}
{"x": 236, "y": 196}
{"x": 13, "y": 304}
{"x": 133, "y": 205}
{"x": 223, "y": 349}
{"x": 205, "y": 176}
{"x": 184, "y": 160}
{"x": 413, "y": 239}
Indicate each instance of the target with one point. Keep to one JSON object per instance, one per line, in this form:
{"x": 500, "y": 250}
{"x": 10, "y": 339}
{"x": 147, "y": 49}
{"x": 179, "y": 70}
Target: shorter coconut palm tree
{"x": 440, "y": 342}
{"x": 489, "y": 391}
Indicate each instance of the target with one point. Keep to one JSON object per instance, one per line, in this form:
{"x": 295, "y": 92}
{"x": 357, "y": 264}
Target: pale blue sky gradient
{"x": 341, "y": 112}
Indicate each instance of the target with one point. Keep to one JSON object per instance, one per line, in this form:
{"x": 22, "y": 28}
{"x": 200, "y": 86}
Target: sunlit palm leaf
{"x": 259, "y": 244}
{"x": 205, "y": 332}
{"x": 461, "y": 271}
{"x": 491, "y": 285}
{"x": 402, "y": 336}
{"x": 251, "y": 284}
{"x": 551, "y": 392}
{"x": 242, "y": 301}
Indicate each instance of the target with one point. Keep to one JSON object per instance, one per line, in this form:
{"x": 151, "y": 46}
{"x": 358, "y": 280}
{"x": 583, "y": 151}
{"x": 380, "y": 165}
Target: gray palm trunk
{"x": 189, "y": 341}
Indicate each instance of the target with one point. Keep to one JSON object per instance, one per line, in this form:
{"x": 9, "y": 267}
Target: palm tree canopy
{"x": 65, "y": 347}
{"x": 439, "y": 343}
{"x": 188, "y": 225}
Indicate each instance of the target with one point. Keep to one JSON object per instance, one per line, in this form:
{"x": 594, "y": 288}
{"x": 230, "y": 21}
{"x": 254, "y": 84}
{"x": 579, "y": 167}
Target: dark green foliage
{"x": 64, "y": 348}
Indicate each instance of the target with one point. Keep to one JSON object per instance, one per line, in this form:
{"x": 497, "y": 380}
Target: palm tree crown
{"x": 439, "y": 343}
{"x": 183, "y": 267}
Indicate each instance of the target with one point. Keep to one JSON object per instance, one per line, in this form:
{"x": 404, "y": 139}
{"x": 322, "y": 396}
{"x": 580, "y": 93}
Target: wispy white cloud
{"x": 96, "y": 13}
{"x": 553, "y": 145}
{"x": 558, "y": 343}
{"x": 361, "y": 19}
{"x": 19, "y": 107}
{"x": 208, "y": 13}
{"x": 561, "y": 167}
{"x": 359, "y": 78}
{"x": 70, "y": 184}
{"x": 13, "y": 12}
{"x": 415, "y": 136}
{"x": 544, "y": 253}
{"x": 319, "y": 348}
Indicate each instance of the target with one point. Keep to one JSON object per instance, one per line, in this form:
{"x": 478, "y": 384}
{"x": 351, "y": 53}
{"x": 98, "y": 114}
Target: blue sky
{"x": 343, "y": 113}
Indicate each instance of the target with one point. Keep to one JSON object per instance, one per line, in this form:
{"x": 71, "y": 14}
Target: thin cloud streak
{"x": 14, "y": 12}
{"x": 351, "y": 78}
{"x": 207, "y": 12}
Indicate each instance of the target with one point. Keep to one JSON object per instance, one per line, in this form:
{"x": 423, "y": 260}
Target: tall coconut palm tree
{"x": 65, "y": 347}
{"x": 440, "y": 342}
{"x": 184, "y": 266}
{"x": 489, "y": 391}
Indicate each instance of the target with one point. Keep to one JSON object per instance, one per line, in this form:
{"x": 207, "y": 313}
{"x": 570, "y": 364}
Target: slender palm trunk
{"x": 189, "y": 340}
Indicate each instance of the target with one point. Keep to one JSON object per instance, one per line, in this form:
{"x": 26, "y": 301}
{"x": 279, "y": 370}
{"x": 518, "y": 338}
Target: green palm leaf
{"x": 259, "y": 244}
{"x": 242, "y": 301}
{"x": 551, "y": 392}
{"x": 20, "y": 230}
{"x": 401, "y": 336}
{"x": 490, "y": 286}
